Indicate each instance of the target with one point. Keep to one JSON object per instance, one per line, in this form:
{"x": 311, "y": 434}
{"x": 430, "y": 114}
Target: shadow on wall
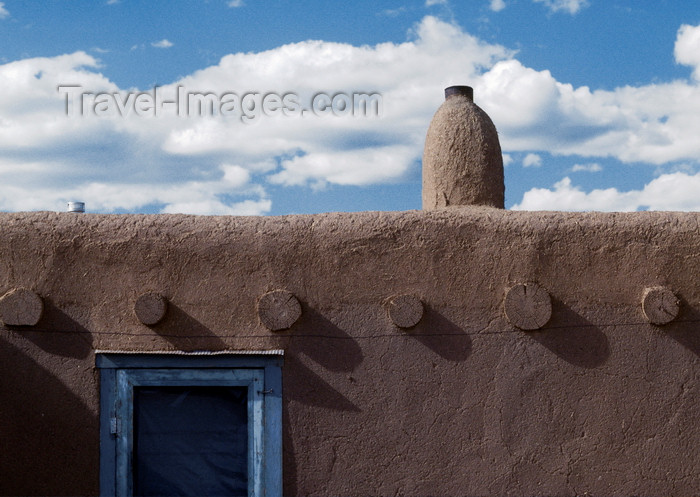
{"x": 318, "y": 350}
{"x": 686, "y": 329}
{"x": 442, "y": 336}
{"x": 324, "y": 342}
{"x": 333, "y": 350}
{"x": 186, "y": 333}
{"x": 49, "y": 438}
{"x": 58, "y": 334}
{"x": 572, "y": 337}
{"x": 310, "y": 389}
{"x": 317, "y": 338}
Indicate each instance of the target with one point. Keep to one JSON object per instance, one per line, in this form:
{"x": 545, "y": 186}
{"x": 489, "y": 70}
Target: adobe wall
{"x": 598, "y": 401}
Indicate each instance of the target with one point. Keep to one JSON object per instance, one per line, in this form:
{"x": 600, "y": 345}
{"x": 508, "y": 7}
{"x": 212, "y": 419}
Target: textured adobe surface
{"x": 599, "y": 400}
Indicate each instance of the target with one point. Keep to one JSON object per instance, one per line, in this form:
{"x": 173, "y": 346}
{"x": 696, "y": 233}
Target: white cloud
{"x": 656, "y": 123}
{"x": 235, "y": 3}
{"x": 687, "y": 48}
{"x": 3, "y": 11}
{"x": 507, "y": 160}
{"x": 532, "y": 160}
{"x": 112, "y": 2}
{"x": 570, "y": 6}
{"x": 32, "y": 110}
{"x": 668, "y": 192}
{"x": 430, "y": 3}
{"x": 209, "y": 207}
{"x": 497, "y": 5}
{"x": 162, "y": 44}
{"x": 340, "y": 167}
{"x": 190, "y": 197}
{"x": 589, "y": 168}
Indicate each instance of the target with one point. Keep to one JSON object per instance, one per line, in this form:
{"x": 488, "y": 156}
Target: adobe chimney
{"x": 462, "y": 161}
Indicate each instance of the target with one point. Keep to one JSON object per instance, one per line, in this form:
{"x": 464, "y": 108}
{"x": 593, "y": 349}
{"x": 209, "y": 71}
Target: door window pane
{"x": 190, "y": 441}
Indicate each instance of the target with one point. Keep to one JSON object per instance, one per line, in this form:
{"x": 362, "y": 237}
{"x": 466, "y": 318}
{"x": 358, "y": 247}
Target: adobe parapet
{"x": 518, "y": 353}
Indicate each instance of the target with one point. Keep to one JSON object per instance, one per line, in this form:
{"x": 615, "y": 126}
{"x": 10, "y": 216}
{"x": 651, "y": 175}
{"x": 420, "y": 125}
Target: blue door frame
{"x": 260, "y": 374}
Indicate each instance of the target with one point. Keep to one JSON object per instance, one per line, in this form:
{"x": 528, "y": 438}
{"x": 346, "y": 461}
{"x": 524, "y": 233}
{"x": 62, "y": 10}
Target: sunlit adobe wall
{"x": 461, "y": 351}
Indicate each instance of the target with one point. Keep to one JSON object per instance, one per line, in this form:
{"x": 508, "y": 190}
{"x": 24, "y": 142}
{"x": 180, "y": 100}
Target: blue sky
{"x": 597, "y": 102}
